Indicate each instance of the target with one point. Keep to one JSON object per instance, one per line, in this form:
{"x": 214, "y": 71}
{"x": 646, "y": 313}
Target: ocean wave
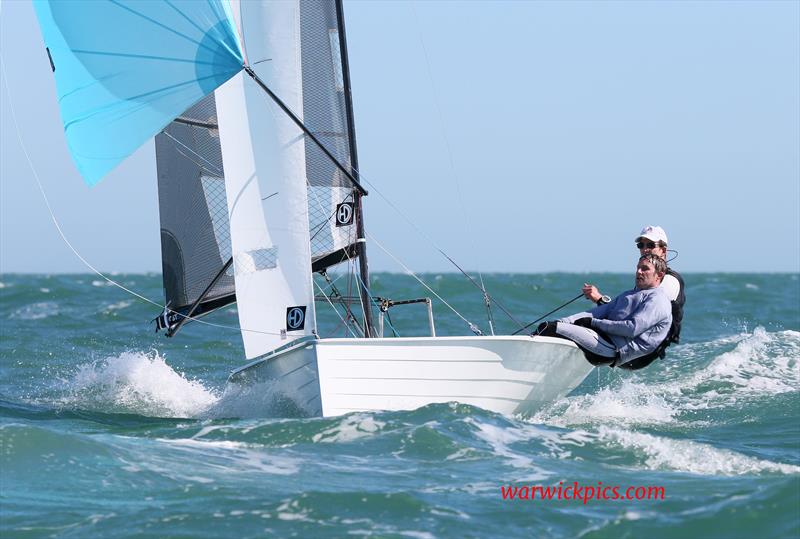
{"x": 270, "y": 398}
{"x": 117, "y": 306}
{"x": 36, "y": 311}
{"x": 351, "y": 427}
{"x": 135, "y": 382}
{"x": 760, "y": 365}
{"x": 227, "y": 456}
{"x": 662, "y": 453}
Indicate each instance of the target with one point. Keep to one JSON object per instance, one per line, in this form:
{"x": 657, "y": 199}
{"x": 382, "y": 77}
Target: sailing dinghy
{"x": 259, "y": 190}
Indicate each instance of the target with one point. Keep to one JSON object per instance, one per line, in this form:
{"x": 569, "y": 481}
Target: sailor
{"x": 630, "y": 326}
{"x": 653, "y": 239}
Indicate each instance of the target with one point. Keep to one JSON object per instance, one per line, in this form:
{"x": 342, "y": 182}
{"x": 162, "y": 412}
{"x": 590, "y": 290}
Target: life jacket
{"x": 673, "y": 335}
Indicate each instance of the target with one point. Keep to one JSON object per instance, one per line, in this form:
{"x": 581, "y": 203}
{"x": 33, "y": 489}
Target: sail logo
{"x": 295, "y": 318}
{"x": 344, "y": 214}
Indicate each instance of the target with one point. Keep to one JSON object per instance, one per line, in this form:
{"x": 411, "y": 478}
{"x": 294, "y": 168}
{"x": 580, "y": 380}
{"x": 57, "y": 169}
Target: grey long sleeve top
{"x": 636, "y": 321}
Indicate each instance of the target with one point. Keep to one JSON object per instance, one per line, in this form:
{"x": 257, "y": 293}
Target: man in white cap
{"x": 653, "y": 239}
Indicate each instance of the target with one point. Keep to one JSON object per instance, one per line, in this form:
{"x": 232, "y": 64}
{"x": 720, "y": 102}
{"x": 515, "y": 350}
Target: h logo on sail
{"x": 344, "y": 214}
{"x": 295, "y": 318}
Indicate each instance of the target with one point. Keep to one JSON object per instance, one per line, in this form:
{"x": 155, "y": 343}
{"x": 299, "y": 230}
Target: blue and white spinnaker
{"x": 125, "y": 69}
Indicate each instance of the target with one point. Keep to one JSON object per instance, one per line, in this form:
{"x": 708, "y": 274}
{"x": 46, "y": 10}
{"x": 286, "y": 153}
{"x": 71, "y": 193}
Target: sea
{"x": 111, "y": 430}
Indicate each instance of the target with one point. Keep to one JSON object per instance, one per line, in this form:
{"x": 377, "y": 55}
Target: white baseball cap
{"x": 654, "y": 233}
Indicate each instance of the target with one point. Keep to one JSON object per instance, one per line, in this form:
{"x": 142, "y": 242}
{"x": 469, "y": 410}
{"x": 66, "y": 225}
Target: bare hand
{"x": 591, "y": 292}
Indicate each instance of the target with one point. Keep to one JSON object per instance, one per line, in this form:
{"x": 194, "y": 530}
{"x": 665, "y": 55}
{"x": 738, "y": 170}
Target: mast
{"x": 361, "y": 242}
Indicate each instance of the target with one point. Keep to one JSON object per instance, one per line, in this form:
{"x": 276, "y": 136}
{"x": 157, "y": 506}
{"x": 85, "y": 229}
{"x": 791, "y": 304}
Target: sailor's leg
{"x": 587, "y": 339}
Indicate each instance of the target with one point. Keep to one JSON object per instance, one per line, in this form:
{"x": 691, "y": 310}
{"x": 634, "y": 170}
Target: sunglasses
{"x": 645, "y": 245}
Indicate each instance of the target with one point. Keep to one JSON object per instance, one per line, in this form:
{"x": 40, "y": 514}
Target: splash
{"x": 270, "y": 398}
{"x": 760, "y": 365}
{"x": 628, "y": 402}
{"x": 137, "y": 383}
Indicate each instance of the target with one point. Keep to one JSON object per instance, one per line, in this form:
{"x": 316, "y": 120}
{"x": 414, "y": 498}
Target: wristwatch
{"x": 603, "y": 300}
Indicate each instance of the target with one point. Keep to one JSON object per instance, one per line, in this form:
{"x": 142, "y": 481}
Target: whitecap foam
{"x": 351, "y": 427}
{"x": 663, "y": 453}
{"x": 36, "y": 311}
{"x": 628, "y": 402}
{"x": 117, "y": 306}
{"x": 761, "y": 364}
{"x": 224, "y": 455}
{"x": 135, "y": 382}
{"x": 500, "y": 438}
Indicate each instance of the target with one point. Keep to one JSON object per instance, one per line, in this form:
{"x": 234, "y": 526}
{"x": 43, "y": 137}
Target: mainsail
{"x": 195, "y": 232}
{"x": 331, "y": 197}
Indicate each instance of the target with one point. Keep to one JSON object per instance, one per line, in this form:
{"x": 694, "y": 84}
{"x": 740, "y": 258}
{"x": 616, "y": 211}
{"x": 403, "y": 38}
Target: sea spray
{"x": 136, "y": 383}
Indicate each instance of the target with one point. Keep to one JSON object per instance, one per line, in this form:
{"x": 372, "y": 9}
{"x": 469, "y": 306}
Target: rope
{"x": 472, "y": 326}
{"x": 442, "y": 125}
{"x": 579, "y": 296}
{"x": 335, "y": 309}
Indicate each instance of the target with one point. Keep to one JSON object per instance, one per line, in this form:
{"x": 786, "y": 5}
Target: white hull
{"x": 505, "y": 374}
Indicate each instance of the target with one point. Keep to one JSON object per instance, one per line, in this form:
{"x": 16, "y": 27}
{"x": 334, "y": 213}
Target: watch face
{"x": 605, "y": 299}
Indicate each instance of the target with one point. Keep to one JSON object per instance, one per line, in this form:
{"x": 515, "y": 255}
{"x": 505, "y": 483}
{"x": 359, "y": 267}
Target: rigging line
{"x": 576, "y": 298}
{"x": 484, "y": 291}
{"x": 335, "y": 309}
{"x": 334, "y": 292}
{"x": 472, "y": 326}
{"x": 346, "y": 254}
{"x": 188, "y": 149}
{"x": 451, "y": 160}
{"x": 375, "y": 303}
{"x": 64, "y": 237}
{"x": 355, "y": 183}
{"x": 430, "y": 241}
{"x": 341, "y": 167}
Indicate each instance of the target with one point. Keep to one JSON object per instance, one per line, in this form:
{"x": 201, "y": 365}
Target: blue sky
{"x": 517, "y": 136}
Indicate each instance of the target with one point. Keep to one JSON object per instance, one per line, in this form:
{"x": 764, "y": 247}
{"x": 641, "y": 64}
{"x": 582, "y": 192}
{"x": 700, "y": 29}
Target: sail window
{"x": 214, "y": 191}
{"x": 256, "y": 260}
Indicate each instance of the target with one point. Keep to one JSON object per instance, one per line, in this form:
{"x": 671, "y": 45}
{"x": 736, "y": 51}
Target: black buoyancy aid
{"x": 673, "y": 335}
